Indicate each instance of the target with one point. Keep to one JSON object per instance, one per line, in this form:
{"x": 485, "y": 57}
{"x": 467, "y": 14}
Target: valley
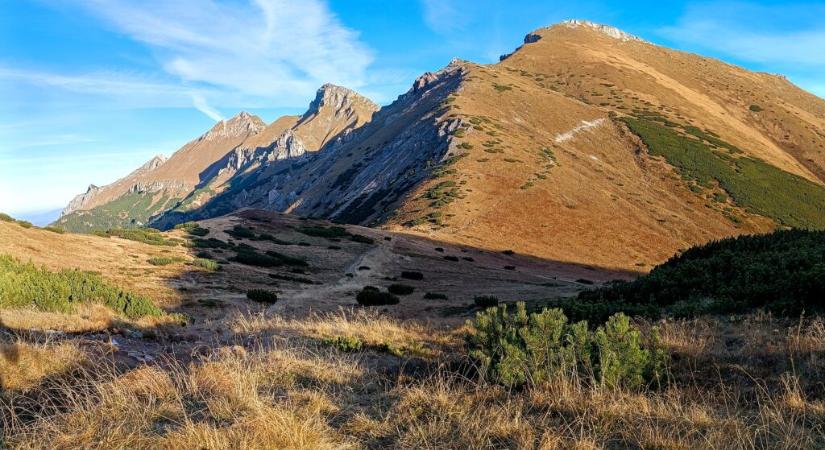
{"x": 597, "y": 242}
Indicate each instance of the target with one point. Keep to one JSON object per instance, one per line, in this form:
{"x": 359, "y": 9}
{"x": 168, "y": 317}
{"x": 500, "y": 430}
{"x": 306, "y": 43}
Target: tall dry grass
{"x": 273, "y": 392}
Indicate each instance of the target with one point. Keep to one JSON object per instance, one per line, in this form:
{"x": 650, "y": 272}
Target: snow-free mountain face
{"x": 584, "y": 145}
{"x": 202, "y": 167}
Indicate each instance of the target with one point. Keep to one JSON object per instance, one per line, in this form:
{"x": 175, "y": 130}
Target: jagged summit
{"x": 338, "y": 100}
{"x": 608, "y": 30}
{"x": 241, "y": 125}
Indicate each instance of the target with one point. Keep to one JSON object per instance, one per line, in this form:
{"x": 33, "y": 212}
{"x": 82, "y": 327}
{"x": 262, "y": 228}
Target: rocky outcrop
{"x": 339, "y": 102}
{"x": 242, "y": 125}
{"x": 613, "y": 32}
{"x": 81, "y": 200}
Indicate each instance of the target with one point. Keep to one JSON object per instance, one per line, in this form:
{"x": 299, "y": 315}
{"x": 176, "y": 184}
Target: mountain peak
{"x": 608, "y": 30}
{"x": 241, "y": 125}
{"x": 338, "y": 99}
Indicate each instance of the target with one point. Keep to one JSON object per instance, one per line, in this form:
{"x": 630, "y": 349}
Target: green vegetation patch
{"x": 26, "y": 285}
{"x": 754, "y": 184}
{"x": 165, "y": 260}
{"x": 262, "y": 296}
{"x": 783, "y": 272}
{"x": 520, "y": 348}
{"x": 205, "y": 263}
{"x": 128, "y": 210}
{"x": 372, "y": 296}
{"x": 149, "y": 236}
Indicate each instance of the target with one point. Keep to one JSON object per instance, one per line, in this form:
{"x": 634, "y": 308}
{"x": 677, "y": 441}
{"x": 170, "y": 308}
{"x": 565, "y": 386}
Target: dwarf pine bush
{"x": 24, "y": 285}
{"x": 521, "y": 348}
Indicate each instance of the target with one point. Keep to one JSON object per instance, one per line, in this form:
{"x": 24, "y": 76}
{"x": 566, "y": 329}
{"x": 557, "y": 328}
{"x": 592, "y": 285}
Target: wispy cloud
{"x": 278, "y": 50}
{"x": 202, "y": 106}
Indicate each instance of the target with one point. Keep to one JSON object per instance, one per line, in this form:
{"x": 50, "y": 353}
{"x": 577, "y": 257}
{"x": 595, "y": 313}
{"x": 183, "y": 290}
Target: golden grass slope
{"x": 546, "y": 172}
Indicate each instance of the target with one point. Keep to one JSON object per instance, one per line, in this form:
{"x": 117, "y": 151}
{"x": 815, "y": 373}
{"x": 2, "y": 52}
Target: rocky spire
{"x": 242, "y": 125}
{"x": 338, "y": 101}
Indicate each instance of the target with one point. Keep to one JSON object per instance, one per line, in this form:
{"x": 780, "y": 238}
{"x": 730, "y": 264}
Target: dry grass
{"x": 371, "y": 327}
{"x": 24, "y": 365}
{"x": 291, "y": 393}
{"x": 87, "y": 318}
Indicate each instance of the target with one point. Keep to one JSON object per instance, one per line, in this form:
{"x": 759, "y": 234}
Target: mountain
{"x": 585, "y": 145}
{"x": 202, "y": 167}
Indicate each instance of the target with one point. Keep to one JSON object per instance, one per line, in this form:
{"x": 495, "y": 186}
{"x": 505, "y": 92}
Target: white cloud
{"x": 277, "y": 50}
{"x": 200, "y": 103}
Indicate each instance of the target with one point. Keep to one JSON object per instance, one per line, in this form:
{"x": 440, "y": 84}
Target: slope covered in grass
{"x": 783, "y": 272}
{"x": 753, "y": 184}
{"x": 25, "y": 285}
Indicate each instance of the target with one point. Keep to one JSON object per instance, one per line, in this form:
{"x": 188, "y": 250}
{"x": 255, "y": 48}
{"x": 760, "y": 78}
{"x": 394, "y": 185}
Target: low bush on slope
{"x": 753, "y": 184}
{"x": 24, "y": 284}
{"x": 519, "y": 348}
{"x": 149, "y": 236}
{"x": 783, "y": 272}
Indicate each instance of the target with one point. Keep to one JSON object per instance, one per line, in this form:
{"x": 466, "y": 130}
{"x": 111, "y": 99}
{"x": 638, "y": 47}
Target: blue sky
{"x": 90, "y": 89}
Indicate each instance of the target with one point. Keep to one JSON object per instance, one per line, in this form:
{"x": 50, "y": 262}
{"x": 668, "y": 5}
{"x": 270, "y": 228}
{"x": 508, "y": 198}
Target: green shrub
{"x": 371, "y": 296}
{"x": 53, "y": 229}
{"x": 345, "y": 343}
{"x": 210, "y": 243}
{"x": 302, "y": 280}
{"x": 412, "y": 275}
{"x": 435, "y": 296}
{"x": 252, "y": 258}
{"x": 149, "y": 236}
{"x": 24, "y": 284}
{"x": 401, "y": 289}
{"x": 164, "y": 260}
{"x": 782, "y": 272}
{"x": 485, "y": 301}
{"x": 361, "y": 239}
{"x": 207, "y": 264}
{"x": 521, "y": 348}
{"x": 241, "y": 232}
{"x": 325, "y": 232}
{"x": 6, "y": 218}
{"x": 751, "y": 183}
{"x": 25, "y": 223}
{"x": 755, "y": 108}
{"x": 262, "y": 296}
{"x": 287, "y": 260}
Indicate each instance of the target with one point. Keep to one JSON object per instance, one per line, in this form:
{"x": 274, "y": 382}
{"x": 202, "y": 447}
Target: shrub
{"x": 755, "y": 108}
{"x": 241, "y": 232}
{"x": 278, "y": 276}
{"x": 210, "y": 243}
{"x": 401, "y": 289}
{"x": 345, "y": 343}
{"x": 53, "y": 229}
{"x": 149, "y": 236}
{"x": 6, "y": 218}
{"x": 371, "y": 296}
{"x": 164, "y": 260}
{"x": 485, "y": 301}
{"x": 287, "y": 260}
{"x": 325, "y": 232}
{"x": 24, "y": 284}
{"x": 207, "y": 264}
{"x": 435, "y": 296}
{"x": 253, "y": 258}
{"x": 361, "y": 239}
{"x": 754, "y": 184}
{"x": 521, "y": 348}
{"x": 412, "y": 275}
{"x": 262, "y": 296}
{"x": 782, "y": 272}
{"x": 25, "y": 223}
